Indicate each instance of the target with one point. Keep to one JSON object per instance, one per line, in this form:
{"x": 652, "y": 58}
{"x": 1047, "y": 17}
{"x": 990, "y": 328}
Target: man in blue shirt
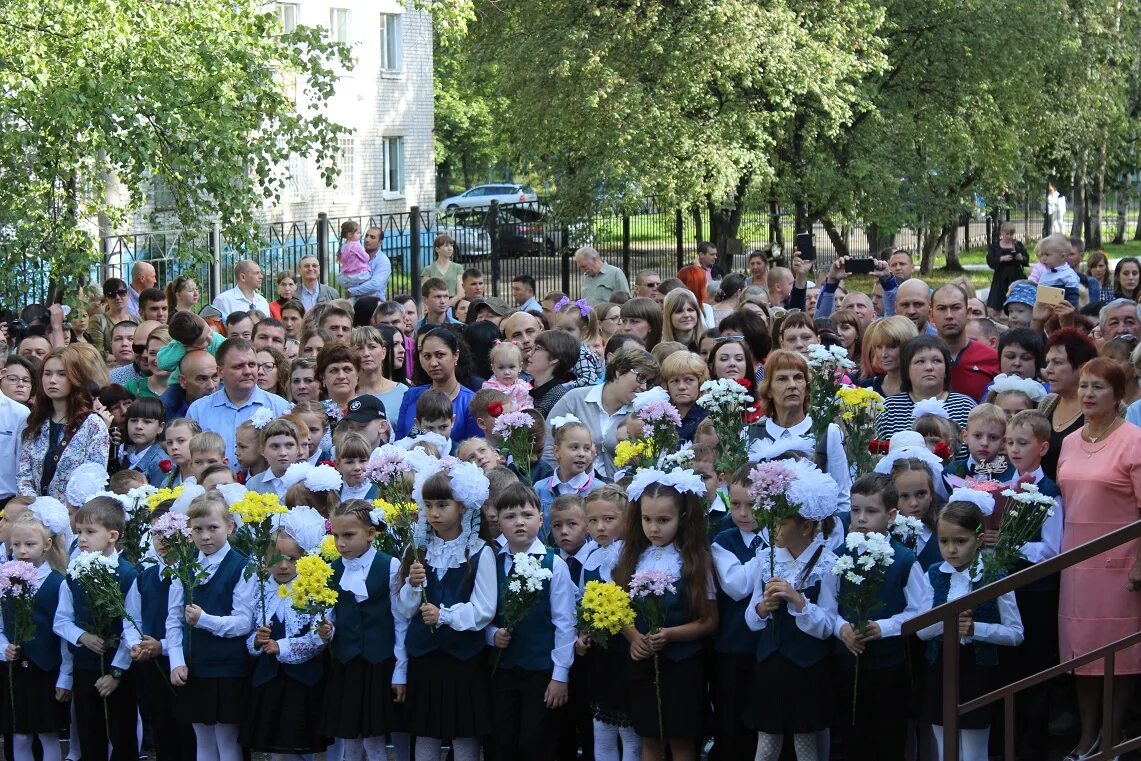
{"x": 380, "y": 269}
{"x": 238, "y": 399}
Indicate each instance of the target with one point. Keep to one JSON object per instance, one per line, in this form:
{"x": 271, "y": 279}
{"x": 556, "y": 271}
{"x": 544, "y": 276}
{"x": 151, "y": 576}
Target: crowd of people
{"x": 134, "y": 384}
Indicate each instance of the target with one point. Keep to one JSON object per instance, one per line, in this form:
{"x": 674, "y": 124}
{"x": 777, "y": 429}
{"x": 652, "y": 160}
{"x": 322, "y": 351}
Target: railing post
{"x": 493, "y": 219}
{"x": 679, "y": 233}
{"x": 215, "y": 260}
{"x": 1108, "y": 738}
{"x": 323, "y": 245}
{"x": 564, "y": 268}
{"x": 414, "y": 252}
{"x": 626, "y": 243}
{"x": 951, "y": 686}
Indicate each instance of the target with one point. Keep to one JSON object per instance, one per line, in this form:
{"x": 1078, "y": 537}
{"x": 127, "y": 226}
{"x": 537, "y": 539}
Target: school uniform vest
{"x": 154, "y": 594}
{"x": 782, "y": 635}
{"x": 212, "y": 656}
{"x": 890, "y": 652}
{"x": 986, "y": 653}
{"x": 734, "y": 637}
{"x": 267, "y": 667}
{"x": 677, "y": 614}
{"x": 81, "y": 656}
{"x": 364, "y": 629}
{"x": 533, "y": 638}
{"x": 455, "y": 587}
{"x": 43, "y": 650}
{"x": 930, "y": 555}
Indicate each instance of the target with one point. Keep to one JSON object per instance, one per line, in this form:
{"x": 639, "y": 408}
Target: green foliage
{"x": 101, "y": 96}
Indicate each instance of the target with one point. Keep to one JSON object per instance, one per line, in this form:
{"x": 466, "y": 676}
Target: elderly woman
{"x": 604, "y": 408}
{"x": 338, "y": 368}
{"x": 63, "y": 431}
{"x": 1067, "y": 351}
{"x": 784, "y": 398}
{"x": 1099, "y": 475}
{"x": 926, "y": 374}
{"x": 683, "y": 372}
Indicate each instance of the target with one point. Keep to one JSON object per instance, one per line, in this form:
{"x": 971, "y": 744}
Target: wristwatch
{"x": 116, "y": 673}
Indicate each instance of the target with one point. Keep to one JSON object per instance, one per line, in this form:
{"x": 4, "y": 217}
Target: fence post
{"x": 626, "y": 243}
{"x": 414, "y": 252}
{"x": 493, "y": 229}
{"x": 679, "y": 233}
{"x": 215, "y": 260}
{"x": 564, "y": 271}
{"x": 323, "y": 245}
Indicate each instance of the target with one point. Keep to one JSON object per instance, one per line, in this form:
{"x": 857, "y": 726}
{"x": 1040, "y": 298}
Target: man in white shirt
{"x": 13, "y": 419}
{"x": 244, "y": 296}
{"x": 143, "y": 276}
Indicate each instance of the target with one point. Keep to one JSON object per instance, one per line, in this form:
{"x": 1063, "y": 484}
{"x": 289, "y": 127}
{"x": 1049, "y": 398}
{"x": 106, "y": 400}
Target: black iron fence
{"x": 501, "y": 241}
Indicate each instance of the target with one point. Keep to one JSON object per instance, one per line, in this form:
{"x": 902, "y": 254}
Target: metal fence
{"x": 500, "y": 241}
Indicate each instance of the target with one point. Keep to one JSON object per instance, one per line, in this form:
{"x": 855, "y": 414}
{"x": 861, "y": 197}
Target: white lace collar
{"x": 443, "y": 555}
{"x": 665, "y": 558}
{"x": 792, "y": 568}
{"x": 603, "y": 559}
{"x": 282, "y": 609}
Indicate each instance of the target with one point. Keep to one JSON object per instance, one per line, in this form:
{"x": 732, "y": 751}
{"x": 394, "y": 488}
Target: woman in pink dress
{"x": 1099, "y": 473}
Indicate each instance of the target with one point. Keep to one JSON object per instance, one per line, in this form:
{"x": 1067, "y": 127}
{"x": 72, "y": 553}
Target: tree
{"x": 105, "y": 94}
{"x": 469, "y": 141}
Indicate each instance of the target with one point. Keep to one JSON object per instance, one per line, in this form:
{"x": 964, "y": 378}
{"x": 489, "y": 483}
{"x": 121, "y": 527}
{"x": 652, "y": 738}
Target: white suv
{"x": 483, "y": 195}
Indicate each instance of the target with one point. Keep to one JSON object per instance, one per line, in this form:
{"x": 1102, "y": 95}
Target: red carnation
{"x": 330, "y": 463}
{"x": 745, "y": 382}
{"x": 495, "y": 409}
{"x": 874, "y": 446}
{"x": 885, "y": 446}
{"x": 942, "y": 451}
{"x": 165, "y": 466}
{"x": 240, "y": 476}
{"x": 751, "y": 416}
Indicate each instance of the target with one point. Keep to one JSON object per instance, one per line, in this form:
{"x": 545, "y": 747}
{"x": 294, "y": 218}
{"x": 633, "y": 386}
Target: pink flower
{"x": 18, "y": 577}
{"x": 657, "y": 412}
{"x": 508, "y": 422}
{"x": 171, "y": 524}
{"x": 770, "y": 480}
{"x": 651, "y": 584}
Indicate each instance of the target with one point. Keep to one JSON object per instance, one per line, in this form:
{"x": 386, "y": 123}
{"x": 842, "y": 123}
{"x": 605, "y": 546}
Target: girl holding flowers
{"x": 574, "y": 458}
{"x": 289, "y": 673}
{"x": 36, "y": 685}
{"x": 666, "y": 540}
{"x": 206, "y": 639}
{"x": 918, "y": 475}
{"x": 793, "y": 609}
{"x": 449, "y": 597}
{"x": 368, "y": 667}
{"x": 981, "y": 631}
{"x": 609, "y": 700}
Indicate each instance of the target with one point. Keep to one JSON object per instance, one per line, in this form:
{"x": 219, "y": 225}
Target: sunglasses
{"x": 117, "y": 294}
{"x": 138, "y": 348}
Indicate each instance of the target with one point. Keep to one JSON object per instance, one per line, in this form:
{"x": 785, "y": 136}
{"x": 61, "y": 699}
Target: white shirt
{"x": 573, "y": 486}
{"x": 13, "y": 420}
{"x": 64, "y": 680}
{"x": 64, "y": 624}
{"x": 834, "y": 447}
{"x": 581, "y": 556}
{"x": 736, "y": 578}
{"x": 917, "y": 594}
{"x": 233, "y": 300}
{"x": 1008, "y": 632}
{"x": 1051, "y": 543}
{"x": 238, "y": 623}
{"x": 815, "y": 619}
{"x": 400, "y": 671}
{"x": 562, "y": 592}
{"x": 602, "y": 559}
{"x": 471, "y": 616}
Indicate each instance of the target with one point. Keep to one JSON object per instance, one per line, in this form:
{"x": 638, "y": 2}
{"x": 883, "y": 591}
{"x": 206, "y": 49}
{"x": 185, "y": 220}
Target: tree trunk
{"x": 724, "y": 231}
{"x": 1137, "y": 232}
{"x": 839, "y": 242}
{"x": 1122, "y": 210}
{"x": 880, "y": 244}
{"x": 776, "y": 229}
{"x": 803, "y": 223}
{"x": 1093, "y": 218}
{"x": 1077, "y": 203}
{"x": 951, "y": 250}
{"x": 695, "y": 212}
{"x": 929, "y": 243}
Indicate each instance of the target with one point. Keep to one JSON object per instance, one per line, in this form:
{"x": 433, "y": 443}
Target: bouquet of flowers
{"x": 328, "y": 550}
{"x": 731, "y": 408}
{"x": 680, "y": 459}
{"x": 18, "y": 587}
{"x": 647, "y": 595}
{"x": 399, "y": 521}
{"x": 1026, "y": 511}
{"x": 859, "y": 408}
{"x": 769, "y": 492}
{"x": 524, "y": 586}
{"x": 633, "y": 454}
{"x": 862, "y": 570}
{"x": 829, "y": 367}
{"x": 137, "y": 505}
{"x": 389, "y": 468}
{"x": 660, "y": 420}
{"x": 254, "y": 510}
{"x": 513, "y": 429}
{"x": 310, "y": 593}
{"x": 604, "y": 610}
{"x": 906, "y": 530}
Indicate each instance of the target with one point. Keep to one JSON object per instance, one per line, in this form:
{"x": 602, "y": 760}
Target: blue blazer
{"x": 148, "y": 466}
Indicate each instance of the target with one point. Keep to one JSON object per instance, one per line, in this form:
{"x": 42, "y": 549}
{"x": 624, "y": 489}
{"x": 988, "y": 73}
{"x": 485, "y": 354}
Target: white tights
{"x": 606, "y": 738}
{"x": 972, "y": 743}
{"x": 217, "y": 742}
{"x": 22, "y": 747}
{"x": 373, "y": 748}
{"x": 769, "y": 746}
{"x": 431, "y": 749}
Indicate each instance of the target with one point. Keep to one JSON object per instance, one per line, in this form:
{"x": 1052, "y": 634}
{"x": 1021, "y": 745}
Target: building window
{"x": 346, "y": 162}
{"x": 297, "y": 180}
{"x": 391, "y": 42}
{"x": 287, "y": 16}
{"x": 393, "y": 164}
{"x": 340, "y": 21}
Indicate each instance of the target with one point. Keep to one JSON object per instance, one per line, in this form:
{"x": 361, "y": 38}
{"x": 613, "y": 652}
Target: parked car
{"x": 483, "y": 195}
{"x": 472, "y": 239}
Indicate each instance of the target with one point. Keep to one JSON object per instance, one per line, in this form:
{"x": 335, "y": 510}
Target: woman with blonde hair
{"x": 879, "y": 355}
{"x": 681, "y": 318}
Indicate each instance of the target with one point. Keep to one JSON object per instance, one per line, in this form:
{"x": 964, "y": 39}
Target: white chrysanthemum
{"x": 514, "y": 586}
{"x": 649, "y": 396}
{"x": 84, "y": 562}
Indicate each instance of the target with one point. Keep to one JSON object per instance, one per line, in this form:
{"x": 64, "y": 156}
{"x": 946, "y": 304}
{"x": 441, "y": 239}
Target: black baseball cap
{"x": 365, "y": 409}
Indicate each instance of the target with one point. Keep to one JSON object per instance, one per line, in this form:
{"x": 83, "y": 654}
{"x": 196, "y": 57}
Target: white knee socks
{"x": 972, "y": 743}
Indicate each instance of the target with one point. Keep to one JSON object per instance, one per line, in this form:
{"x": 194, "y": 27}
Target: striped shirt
{"x": 897, "y": 413}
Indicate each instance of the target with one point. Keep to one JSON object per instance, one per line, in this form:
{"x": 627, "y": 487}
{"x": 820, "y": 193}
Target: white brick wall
{"x": 375, "y": 104}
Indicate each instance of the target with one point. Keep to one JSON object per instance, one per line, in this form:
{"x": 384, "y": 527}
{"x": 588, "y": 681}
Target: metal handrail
{"x": 948, "y": 614}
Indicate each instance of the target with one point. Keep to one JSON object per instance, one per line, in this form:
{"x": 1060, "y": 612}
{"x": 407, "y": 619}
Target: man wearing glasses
{"x": 139, "y": 367}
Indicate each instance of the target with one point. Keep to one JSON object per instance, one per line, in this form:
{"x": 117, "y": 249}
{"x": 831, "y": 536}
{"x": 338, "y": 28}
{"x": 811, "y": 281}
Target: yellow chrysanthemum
{"x": 255, "y": 507}
{"x": 283, "y": 591}
{"x": 162, "y": 495}
{"x": 328, "y": 549}
{"x": 401, "y": 513}
{"x": 632, "y": 449}
{"x": 311, "y": 591}
{"x": 606, "y": 608}
{"x": 858, "y": 399}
